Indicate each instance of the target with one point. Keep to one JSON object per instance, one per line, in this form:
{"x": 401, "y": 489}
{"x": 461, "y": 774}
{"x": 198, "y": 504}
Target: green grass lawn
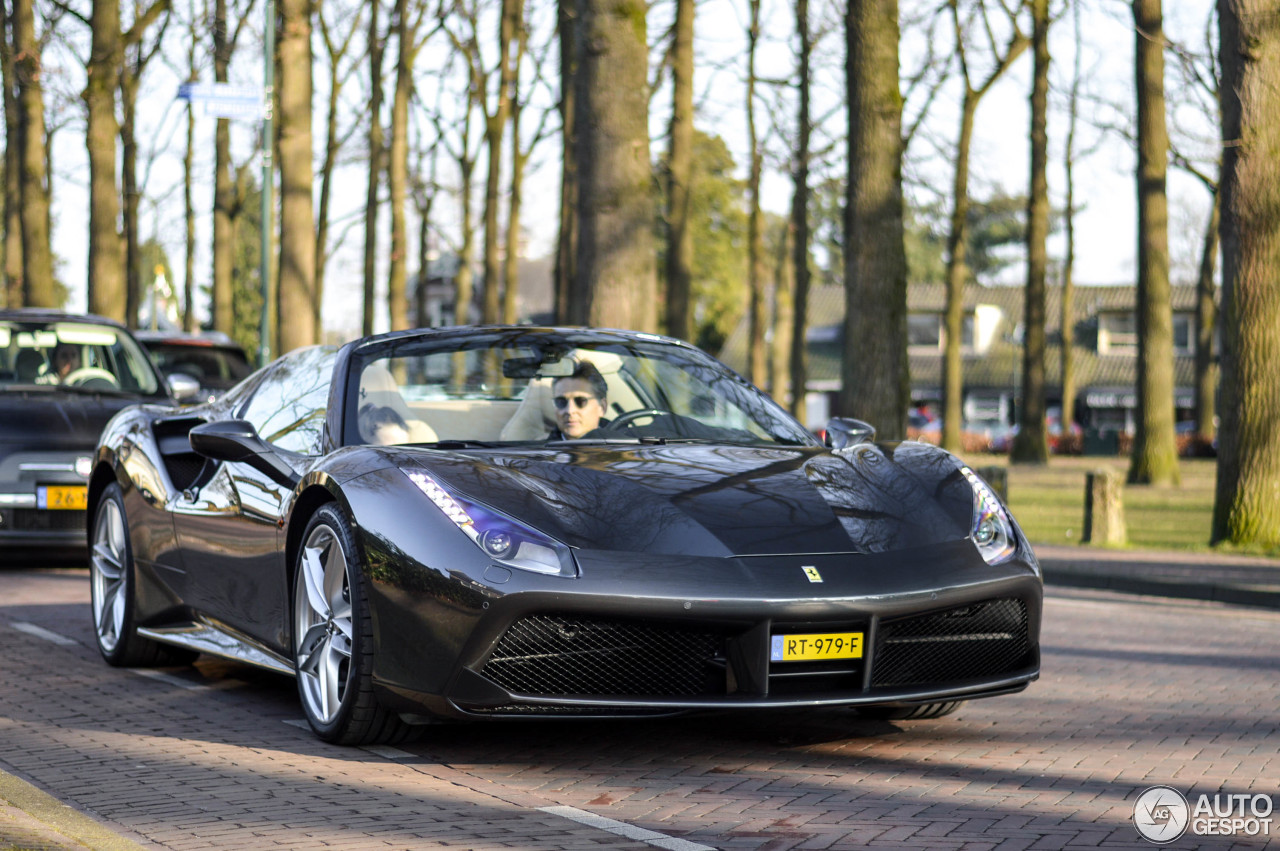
{"x": 1049, "y": 502}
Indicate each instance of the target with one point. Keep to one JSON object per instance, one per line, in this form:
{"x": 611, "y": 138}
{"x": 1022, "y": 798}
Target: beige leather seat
{"x": 378, "y": 387}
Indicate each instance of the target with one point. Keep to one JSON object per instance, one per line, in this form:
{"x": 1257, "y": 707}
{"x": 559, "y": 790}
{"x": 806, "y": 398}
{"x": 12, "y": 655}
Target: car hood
{"x": 694, "y": 499}
{"x": 51, "y": 419}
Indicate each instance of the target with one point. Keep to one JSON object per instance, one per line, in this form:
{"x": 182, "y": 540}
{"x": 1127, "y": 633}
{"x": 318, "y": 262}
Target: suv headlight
{"x": 992, "y": 531}
{"x": 508, "y": 542}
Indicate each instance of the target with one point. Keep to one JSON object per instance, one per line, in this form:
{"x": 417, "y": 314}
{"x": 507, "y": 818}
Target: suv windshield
{"x": 539, "y": 386}
{"x": 70, "y": 354}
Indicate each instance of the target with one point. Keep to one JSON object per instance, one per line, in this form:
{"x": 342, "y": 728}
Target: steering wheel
{"x": 624, "y": 420}
{"x": 85, "y": 374}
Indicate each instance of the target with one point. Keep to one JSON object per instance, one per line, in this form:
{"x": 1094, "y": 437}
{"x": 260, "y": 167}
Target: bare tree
{"x": 796, "y": 302}
{"x": 874, "y": 371}
{"x": 679, "y": 257}
{"x": 296, "y": 294}
{"x": 566, "y": 279}
{"x": 37, "y": 254}
{"x": 137, "y": 55}
{"x": 615, "y": 195}
{"x": 11, "y": 286}
{"x": 757, "y": 357}
{"x": 1154, "y": 459}
{"x": 999, "y": 57}
{"x": 189, "y": 322}
{"x": 377, "y": 157}
{"x": 406, "y": 25}
{"x": 1066, "y": 299}
{"x": 1031, "y": 445}
{"x": 1246, "y": 511}
{"x": 224, "y": 189}
{"x": 335, "y": 49}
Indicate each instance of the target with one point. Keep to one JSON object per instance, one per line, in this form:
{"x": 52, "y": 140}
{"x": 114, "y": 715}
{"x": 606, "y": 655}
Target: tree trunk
{"x": 780, "y": 347}
{"x": 129, "y": 186}
{"x": 1031, "y": 445}
{"x": 875, "y": 380}
{"x": 1155, "y": 454}
{"x": 189, "y": 321}
{"x": 1206, "y": 323}
{"x": 11, "y": 286}
{"x": 957, "y": 275}
{"x": 519, "y": 158}
{"x": 223, "y": 186}
{"x": 106, "y": 283}
{"x": 464, "y": 284}
{"x": 680, "y": 173}
{"x": 296, "y": 295}
{"x": 37, "y": 254}
{"x": 1066, "y": 305}
{"x": 376, "y": 49}
{"x": 398, "y": 169}
{"x": 615, "y": 200}
{"x": 331, "y": 148}
{"x": 1246, "y": 510}
{"x": 567, "y": 238}
{"x": 800, "y": 237}
{"x": 757, "y": 357}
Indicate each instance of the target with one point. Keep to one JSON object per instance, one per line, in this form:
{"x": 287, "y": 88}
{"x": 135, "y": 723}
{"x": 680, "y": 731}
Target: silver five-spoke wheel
{"x": 107, "y": 564}
{"x": 322, "y": 624}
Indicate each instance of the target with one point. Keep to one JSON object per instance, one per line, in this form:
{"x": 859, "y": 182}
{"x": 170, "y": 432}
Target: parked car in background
{"x": 62, "y": 376}
{"x": 517, "y": 522}
{"x": 212, "y": 358}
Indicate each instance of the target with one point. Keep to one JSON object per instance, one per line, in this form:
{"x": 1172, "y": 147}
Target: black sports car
{"x": 62, "y": 376}
{"x": 494, "y": 522}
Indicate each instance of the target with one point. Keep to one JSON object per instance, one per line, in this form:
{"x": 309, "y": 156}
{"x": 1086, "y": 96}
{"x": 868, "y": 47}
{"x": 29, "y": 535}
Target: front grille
{"x": 970, "y": 642}
{"x": 40, "y": 520}
{"x": 528, "y": 709}
{"x": 567, "y": 655}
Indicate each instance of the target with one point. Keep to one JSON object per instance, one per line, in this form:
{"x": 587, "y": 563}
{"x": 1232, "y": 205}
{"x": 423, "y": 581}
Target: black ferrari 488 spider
{"x": 495, "y": 522}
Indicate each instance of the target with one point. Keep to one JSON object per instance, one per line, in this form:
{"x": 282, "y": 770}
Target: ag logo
{"x": 812, "y": 573}
{"x": 1161, "y": 814}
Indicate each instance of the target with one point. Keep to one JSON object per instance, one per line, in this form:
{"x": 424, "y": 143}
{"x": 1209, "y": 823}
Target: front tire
{"x": 333, "y": 638}
{"x": 113, "y": 583}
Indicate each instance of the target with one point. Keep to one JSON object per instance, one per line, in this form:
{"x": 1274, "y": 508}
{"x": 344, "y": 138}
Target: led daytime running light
{"x": 443, "y": 501}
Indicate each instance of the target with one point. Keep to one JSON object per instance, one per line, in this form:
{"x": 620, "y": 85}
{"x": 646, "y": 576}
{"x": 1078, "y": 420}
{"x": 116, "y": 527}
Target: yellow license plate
{"x": 63, "y": 497}
{"x": 816, "y": 647}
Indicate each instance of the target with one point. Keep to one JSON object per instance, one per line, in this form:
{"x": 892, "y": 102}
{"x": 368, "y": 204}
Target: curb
{"x": 30, "y": 818}
{"x": 1266, "y": 597}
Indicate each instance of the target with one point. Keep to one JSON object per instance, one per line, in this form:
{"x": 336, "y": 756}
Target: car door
{"x": 230, "y": 529}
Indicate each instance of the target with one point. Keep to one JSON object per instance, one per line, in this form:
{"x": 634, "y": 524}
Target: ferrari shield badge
{"x": 812, "y": 573}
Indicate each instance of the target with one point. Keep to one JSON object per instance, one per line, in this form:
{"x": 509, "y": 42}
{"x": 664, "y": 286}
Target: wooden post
{"x": 1104, "y": 509}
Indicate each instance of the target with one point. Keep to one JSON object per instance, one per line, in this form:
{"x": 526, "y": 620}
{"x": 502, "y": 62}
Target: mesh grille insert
{"x": 980, "y": 640}
{"x": 567, "y": 655}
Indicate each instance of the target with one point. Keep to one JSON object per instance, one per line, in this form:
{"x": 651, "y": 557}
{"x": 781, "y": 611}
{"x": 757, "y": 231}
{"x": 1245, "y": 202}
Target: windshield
{"x": 538, "y": 387}
{"x": 73, "y": 355}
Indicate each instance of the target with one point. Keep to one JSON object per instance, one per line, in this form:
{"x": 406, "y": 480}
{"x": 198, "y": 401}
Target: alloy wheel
{"x": 323, "y": 624}
{"x": 108, "y": 563}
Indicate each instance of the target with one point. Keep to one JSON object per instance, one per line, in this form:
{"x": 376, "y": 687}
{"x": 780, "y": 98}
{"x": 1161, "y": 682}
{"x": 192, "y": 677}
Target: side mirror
{"x": 183, "y": 387}
{"x": 843, "y": 432}
{"x": 238, "y": 441}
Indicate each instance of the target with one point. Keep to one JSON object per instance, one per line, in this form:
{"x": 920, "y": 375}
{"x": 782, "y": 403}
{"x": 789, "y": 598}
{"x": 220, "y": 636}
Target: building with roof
{"x": 1104, "y": 353}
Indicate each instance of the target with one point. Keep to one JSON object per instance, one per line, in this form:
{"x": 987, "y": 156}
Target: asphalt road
{"x": 1135, "y": 692}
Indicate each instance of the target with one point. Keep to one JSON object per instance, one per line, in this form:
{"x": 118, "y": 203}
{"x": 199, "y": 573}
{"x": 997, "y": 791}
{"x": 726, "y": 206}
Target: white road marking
{"x": 161, "y": 676}
{"x": 41, "y": 632}
{"x": 623, "y": 829}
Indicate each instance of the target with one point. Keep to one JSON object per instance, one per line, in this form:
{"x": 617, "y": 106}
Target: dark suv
{"x": 213, "y": 359}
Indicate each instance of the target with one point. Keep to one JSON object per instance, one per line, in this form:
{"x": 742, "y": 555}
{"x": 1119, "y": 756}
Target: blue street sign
{"x": 223, "y": 100}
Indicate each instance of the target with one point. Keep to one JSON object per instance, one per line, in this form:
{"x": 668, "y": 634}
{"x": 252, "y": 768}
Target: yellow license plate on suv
{"x": 62, "y": 497}
{"x": 816, "y": 647}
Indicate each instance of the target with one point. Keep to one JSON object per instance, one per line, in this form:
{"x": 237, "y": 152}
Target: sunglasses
{"x": 580, "y": 401}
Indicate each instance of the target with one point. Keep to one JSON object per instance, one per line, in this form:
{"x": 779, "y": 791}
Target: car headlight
{"x": 992, "y": 531}
{"x": 506, "y": 541}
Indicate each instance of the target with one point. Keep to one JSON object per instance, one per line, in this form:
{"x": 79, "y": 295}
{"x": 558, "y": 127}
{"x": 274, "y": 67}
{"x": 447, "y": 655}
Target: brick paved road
{"x": 1135, "y": 692}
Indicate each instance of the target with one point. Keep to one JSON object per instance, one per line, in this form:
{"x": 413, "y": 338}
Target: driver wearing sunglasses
{"x": 580, "y": 402}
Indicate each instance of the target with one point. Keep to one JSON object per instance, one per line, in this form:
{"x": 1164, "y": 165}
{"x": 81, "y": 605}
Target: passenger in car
{"x": 380, "y": 424}
{"x": 66, "y": 360}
